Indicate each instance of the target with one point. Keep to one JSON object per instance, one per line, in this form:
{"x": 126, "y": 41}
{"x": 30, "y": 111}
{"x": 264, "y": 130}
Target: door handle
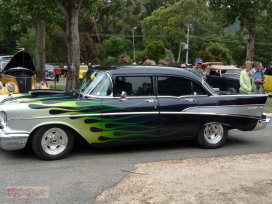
{"x": 151, "y": 101}
{"x": 190, "y": 99}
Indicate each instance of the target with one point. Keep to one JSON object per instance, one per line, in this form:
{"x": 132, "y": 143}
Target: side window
{"x": 174, "y": 86}
{"x": 134, "y": 86}
{"x": 198, "y": 89}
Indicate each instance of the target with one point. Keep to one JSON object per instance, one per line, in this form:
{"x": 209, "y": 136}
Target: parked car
{"x": 224, "y": 77}
{"x": 268, "y": 80}
{"x": 82, "y": 71}
{"x": 49, "y": 72}
{"x": 127, "y": 105}
{"x": 205, "y": 65}
{"x": 19, "y": 75}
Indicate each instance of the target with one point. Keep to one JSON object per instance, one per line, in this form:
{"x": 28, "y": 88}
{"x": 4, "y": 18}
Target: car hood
{"x": 21, "y": 59}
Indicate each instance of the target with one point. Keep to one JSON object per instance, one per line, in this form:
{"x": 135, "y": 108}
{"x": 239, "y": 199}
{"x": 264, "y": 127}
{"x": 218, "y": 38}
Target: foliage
{"x": 247, "y": 12}
{"x": 155, "y": 50}
{"x": 219, "y": 52}
{"x": 115, "y": 47}
{"x": 88, "y": 49}
{"x": 170, "y": 25}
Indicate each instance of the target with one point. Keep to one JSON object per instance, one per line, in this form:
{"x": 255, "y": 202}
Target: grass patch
{"x": 253, "y": 190}
{"x": 268, "y": 105}
{"x": 58, "y": 87}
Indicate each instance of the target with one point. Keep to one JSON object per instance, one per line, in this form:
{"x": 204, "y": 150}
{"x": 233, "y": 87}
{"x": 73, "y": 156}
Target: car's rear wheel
{"x": 52, "y": 142}
{"x": 212, "y": 136}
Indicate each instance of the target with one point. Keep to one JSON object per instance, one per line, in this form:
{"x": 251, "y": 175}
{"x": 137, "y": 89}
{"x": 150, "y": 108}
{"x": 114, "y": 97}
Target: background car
{"x": 268, "y": 80}
{"x": 224, "y": 77}
{"x": 19, "y": 75}
{"x": 82, "y": 71}
{"x": 49, "y": 72}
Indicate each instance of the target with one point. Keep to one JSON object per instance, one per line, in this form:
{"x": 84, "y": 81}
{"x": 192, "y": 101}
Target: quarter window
{"x": 134, "y": 86}
{"x": 177, "y": 86}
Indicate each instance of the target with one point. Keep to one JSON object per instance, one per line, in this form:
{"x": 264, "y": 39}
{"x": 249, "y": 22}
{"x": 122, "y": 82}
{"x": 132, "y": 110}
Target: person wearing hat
{"x": 197, "y": 68}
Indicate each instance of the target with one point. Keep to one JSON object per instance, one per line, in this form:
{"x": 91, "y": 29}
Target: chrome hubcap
{"x": 54, "y": 141}
{"x": 213, "y": 133}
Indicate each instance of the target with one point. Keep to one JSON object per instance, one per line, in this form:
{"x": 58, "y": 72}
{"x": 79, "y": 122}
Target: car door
{"x": 132, "y": 116}
{"x": 179, "y": 106}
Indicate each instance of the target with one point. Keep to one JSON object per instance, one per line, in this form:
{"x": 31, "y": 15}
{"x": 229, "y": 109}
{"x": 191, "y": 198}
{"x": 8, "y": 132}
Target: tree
{"x": 247, "y": 12}
{"x": 18, "y": 17}
{"x": 169, "y": 25}
{"x": 155, "y": 50}
{"x": 70, "y": 9}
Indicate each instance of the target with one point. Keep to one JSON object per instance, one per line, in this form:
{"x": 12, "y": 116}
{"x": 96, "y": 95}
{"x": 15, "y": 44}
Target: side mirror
{"x": 123, "y": 95}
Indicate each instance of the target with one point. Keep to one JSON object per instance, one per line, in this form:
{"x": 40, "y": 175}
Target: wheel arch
{"x": 77, "y": 136}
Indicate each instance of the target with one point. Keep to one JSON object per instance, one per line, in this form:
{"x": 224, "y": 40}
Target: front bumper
{"x": 13, "y": 141}
{"x": 262, "y": 124}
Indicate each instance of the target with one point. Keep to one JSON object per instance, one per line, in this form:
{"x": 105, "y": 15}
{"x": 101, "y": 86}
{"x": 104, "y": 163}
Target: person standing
{"x": 197, "y": 68}
{"x": 258, "y": 77}
{"x": 247, "y": 85}
{"x": 57, "y": 72}
{"x": 124, "y": 59}
{"x": 183, "y": 66}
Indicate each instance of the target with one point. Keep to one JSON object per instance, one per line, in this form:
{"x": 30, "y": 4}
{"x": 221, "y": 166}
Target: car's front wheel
{"x": 212, "y": 136}
{"x": 52, "y": 142}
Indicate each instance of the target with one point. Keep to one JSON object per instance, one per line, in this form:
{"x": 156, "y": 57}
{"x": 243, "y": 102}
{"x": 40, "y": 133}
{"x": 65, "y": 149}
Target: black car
{"x": 225, "y": 78}
{"x": 133, "y": 104}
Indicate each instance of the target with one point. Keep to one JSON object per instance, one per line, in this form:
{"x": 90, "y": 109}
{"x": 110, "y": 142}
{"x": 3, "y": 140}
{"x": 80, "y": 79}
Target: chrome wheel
{"x": 51, "y": 142}
{"x": 212, "y": 136}
{"x": 213, "y": 133}
{"x": 54, "y": 141}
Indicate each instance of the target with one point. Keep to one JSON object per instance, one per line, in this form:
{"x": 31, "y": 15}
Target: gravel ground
{"x": 243, "y": 179}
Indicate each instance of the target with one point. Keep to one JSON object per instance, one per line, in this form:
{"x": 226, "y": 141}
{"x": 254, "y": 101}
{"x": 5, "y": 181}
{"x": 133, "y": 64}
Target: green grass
{"x": 268, "y": 105}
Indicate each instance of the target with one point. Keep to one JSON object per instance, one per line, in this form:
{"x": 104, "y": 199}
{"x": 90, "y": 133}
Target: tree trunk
{"x": 70, "y": 9}
{"x": 40, "y": 51}
{"x": 250, "y": 45}
{"x": 73, "y": 50}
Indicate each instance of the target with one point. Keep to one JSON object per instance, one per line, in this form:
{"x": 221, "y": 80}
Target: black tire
{"x": 52, "y": 142}
{"x": 212, "y": 136}
{"x": 232, "y": 90}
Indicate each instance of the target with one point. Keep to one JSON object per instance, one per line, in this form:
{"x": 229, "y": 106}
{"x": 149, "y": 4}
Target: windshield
{"x": 95, "y": 83}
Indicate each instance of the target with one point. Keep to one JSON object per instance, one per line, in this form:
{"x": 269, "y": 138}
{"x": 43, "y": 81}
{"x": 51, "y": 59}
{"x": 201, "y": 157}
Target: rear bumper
{"x": 262, "y": 124}
{"x": 13, "y": 141}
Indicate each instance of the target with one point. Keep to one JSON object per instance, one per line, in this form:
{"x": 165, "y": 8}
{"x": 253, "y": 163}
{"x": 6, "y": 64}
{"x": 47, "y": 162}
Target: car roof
{"x": 152, "y": 70}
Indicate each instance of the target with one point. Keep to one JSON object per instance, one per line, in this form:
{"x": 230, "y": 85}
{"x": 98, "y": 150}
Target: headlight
{"x": 38, "y": 86}
{"x": 11, "y": 87}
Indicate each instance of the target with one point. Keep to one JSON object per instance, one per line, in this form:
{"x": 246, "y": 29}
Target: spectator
{"x": 258, "y": 77}
{"x": 161, "y": 63}
{"x": 197, "y": 68}
{"x": 140, "y": 62}
{"x": 149, "y": 61}
{"x": 124, "y": 59}
{"x": 183, "y": 66}
{"x": 167, "y": 61}
{"x": 57, "y": 72}
{"x": 247, "y": 85}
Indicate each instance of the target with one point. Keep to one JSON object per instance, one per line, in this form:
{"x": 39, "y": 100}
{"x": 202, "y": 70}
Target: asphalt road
{"x": 86, "y": 172}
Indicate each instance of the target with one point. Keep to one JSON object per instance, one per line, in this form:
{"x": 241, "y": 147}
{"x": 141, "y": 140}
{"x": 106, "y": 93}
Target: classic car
{"x": 82, "y": 71}
{"x": 49, "y": 72}
{"x": 224, "y": 77}
{"x": 205, "y": 65}
{"x": 132, "y": 104}
{"x": 268, "y": 80}
{"x": 19, "y": 75}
